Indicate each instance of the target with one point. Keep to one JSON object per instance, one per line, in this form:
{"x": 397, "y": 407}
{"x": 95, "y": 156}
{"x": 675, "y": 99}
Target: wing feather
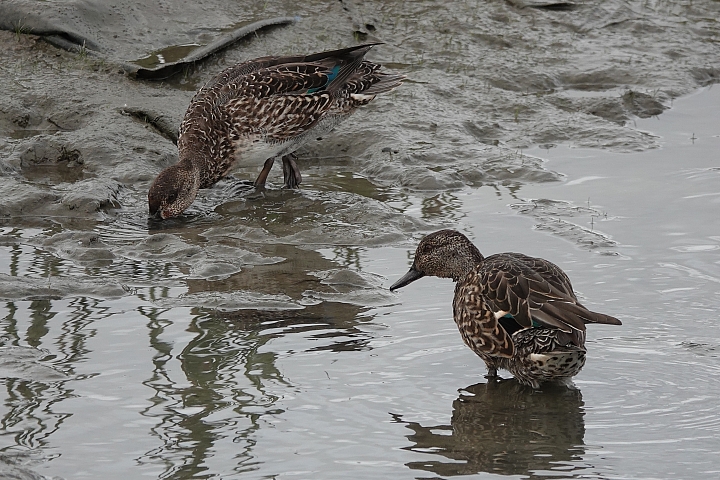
{"x": 283, "y": 116}
{"x": 533, "y": 289}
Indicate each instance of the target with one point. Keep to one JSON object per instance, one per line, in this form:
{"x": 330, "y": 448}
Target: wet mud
{"x": 484, "y": 83}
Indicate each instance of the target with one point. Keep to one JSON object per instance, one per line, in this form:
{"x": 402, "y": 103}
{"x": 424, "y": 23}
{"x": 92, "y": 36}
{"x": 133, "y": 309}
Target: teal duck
{"x": 516, "y": 312}
{"x": 260, "y": 110}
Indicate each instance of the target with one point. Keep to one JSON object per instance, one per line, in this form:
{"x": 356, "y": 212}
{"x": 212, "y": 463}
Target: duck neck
{"x": 195, "y": 163}
{"x": 467, "y": 264}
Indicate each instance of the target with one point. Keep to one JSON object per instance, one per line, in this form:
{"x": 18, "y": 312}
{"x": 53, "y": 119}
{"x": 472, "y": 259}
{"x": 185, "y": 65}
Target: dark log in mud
{"x": 167, "y": 70}
{"x": 65, "y": 31}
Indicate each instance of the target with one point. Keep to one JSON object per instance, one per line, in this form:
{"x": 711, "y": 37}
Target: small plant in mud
{"x": 20, "y": 29}
{"x": 83, "y": 51}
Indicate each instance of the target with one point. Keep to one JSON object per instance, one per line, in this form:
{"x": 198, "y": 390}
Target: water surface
{"x": 140, "y": 385}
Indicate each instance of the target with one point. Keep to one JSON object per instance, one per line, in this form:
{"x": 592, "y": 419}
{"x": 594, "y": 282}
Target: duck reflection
{"x": 444, "y": 206}
{"x": 223, "y": 387}
{"x": 503, "y": 427}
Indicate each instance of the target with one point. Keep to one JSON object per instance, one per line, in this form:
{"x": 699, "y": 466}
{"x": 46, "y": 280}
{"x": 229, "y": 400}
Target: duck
{"x": 517, "y": 313}
{"x": 260, "y": 110}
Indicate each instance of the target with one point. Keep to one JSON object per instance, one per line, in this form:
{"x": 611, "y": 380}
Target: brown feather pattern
{"x": 263, "y": 109}
{"x": 549, "y": 341}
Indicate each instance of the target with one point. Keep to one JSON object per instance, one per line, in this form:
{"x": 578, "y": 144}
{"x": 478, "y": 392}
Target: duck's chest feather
{"x": 477, "y": 324}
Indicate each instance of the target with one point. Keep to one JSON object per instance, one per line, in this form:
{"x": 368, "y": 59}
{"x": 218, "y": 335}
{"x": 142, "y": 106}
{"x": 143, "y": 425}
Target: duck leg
{"x": 291, "y": 172}
{"x": 262, "y": 178}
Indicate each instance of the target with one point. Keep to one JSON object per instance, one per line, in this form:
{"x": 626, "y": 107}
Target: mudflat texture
{"x": 486, "y": 79}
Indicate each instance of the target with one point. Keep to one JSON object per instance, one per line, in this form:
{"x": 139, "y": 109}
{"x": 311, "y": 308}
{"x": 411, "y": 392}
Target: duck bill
{"x": 407, "y": 279}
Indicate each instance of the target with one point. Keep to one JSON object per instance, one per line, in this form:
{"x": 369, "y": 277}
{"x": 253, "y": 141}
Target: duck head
{"x": 173, "y": 191}
{"x": 444, "y": 254}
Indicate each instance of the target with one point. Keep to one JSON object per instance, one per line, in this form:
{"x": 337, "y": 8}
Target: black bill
{"x": 408, "y": 278}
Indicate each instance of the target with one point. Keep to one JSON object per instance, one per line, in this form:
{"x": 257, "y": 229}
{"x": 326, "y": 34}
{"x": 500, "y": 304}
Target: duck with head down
{"x": 260, "y": 110}
{"x": 516, "y": 312}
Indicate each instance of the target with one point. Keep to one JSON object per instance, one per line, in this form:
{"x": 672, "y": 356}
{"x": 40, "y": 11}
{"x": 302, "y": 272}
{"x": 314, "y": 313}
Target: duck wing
{"x": 530, "y": 289}
{"x": 283, "y": 97}
{"x": 276, "y": 118}
{"x": 231, "y": 74}
{"x": 559, "y": 280}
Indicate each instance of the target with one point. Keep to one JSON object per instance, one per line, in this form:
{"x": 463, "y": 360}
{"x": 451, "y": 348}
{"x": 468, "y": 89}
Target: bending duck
{"x": 515, "y": 312}
{"x": 260, "y": 110}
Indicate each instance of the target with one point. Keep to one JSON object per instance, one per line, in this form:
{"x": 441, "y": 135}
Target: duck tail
{"x": 572, "y": 315}
{"x": 343, "y": 64}
{"x": 595, "y": 317}
{"x": 385, "y": 83}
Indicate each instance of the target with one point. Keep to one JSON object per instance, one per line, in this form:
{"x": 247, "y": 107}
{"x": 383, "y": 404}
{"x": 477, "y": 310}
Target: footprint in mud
{"x": 35, "y": 115}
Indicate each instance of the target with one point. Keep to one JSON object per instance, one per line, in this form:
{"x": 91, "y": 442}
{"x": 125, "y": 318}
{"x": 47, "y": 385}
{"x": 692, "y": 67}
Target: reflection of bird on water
{"x": 515, "y": 312}
{"x": 261, "y": 110}
{"x": 224, "y": 373}
{"x": 506, "y": 428}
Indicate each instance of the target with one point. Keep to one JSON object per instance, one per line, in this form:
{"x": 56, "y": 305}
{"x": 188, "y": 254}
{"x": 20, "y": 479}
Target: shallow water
{"x": 255, "y": 336}
{"x": 333, "y": 386}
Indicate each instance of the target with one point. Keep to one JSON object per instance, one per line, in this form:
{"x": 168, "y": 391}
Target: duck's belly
{"x": 252, "y": 154}
{"x": 252, "y": 151}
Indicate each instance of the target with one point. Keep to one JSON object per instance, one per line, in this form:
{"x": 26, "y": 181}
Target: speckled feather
{"x": 268, "y": 105}
{"x": 541, "y": 356}
{"x": 527, "y": 288}
{"x": 532, "y": 290}
{"x": 266, "y": 108}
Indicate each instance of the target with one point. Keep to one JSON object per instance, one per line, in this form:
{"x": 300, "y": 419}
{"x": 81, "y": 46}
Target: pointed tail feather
{"x": 564, "y": 315}
{"x": 570, "y": 318}
{"x": 386, "y": 83}
{"x": 550, "y": 319}
{"x": 595, "y": 317}
{"x": 347, "y": 69}
{"x": 572, "y": 313}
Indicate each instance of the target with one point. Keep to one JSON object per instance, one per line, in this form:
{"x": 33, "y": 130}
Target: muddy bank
{"x": 80, "y": 141}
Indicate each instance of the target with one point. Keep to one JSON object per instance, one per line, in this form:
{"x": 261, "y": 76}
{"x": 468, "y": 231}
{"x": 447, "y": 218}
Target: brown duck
{"x": 516, "y": 312}
{"x": 260, "y": 110}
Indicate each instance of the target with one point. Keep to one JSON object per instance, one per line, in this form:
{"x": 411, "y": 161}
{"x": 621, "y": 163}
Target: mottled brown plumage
{"x": 260, "y": 110}
{"x": 516, "y": 312}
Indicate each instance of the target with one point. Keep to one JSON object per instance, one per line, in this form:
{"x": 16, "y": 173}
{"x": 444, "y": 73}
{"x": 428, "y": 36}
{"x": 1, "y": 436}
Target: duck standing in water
{"x": 515, "y": 312}
{"x": 260, "y": 110}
